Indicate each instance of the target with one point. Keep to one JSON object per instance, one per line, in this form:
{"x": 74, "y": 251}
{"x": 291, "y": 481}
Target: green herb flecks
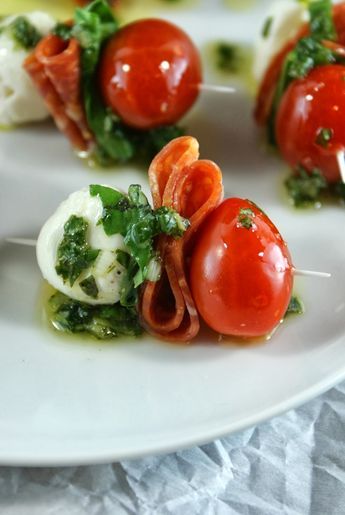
{"x": 323, "y": 137}
{"x": 101, "y": 321}
{"x": 229, "y": 57}
{"x": 24, "y": 33}
{"x": 132, "y": 216}
{"x": 74, "y": 255}
{"x": 115, "y": 141}
{"x": 246, "y": 218}
{"x": 89, "y": 287}
{"x": 305, "y": 188}
{"x": 266, "y": 29}
{"x": 308, "y": 53}
{"x": 295, "y": 307}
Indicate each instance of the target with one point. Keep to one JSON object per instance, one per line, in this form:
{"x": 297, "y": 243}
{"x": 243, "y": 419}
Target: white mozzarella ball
{"x": 20, "y": 101}
{"x": 105, "y": 269}
{"x": 286, "y": 17}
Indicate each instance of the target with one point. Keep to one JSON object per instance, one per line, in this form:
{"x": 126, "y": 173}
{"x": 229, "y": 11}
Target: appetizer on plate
{"x": 120, "y": 265}
{"x": 19, "y": 100}
{"x": 301, "y": 66}
{"x": 116, "y": 92}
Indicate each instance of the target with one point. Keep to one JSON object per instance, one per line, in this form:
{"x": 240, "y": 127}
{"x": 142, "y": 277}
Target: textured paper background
{"x": 293, "y": 464}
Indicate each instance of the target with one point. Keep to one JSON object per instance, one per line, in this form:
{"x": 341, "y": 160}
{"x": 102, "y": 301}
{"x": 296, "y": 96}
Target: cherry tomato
{"x": 241, "y": 273}
{"x": 149, "y": 73}
{"x": 310, "y": 124}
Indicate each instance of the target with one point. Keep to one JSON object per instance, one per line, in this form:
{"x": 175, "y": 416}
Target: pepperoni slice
{"x": 268, "y": 85}
{"x": 54, "y": 67}
{"x": 193, "y": 188}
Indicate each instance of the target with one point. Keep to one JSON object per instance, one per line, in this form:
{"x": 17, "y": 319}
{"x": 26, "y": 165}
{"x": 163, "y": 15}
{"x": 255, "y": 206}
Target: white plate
{"x": 69, "y": 402}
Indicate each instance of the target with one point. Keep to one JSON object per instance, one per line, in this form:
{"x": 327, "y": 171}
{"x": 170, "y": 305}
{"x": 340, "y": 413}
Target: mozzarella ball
{"x": 106, "y": 270}
{"x": 284, "y": 19}
{"x": 20, "y": 102}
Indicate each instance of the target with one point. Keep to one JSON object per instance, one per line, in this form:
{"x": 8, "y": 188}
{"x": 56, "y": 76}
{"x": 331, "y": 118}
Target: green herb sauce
{"x": 323, "y": 137}
{"x": 102, "y": 321}
{"x": 306, "y": 189}
{"x": 24, "y": 33}
{"x": 89, "y": 287}
{"x": 246, "y": 218}
{"x": 74, "y": 255}
{"x": 231, "y": 62}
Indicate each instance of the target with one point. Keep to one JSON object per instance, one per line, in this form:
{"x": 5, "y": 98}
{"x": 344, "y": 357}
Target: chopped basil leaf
{"x": 295, "y": 307}
{"x": 74, "y": 255}
{"x": 132, "y": 216}
{"x": 89, "y": 286}
{"x": 24, "y": 33}
{"x": 321, "y": 19}
{"x": 170, "y": 222}
{"x": 266, "y": 29}
{"x": 108, "y": 196}
{"x": 101, "y": 321}
{"x": 323, "y": 137}
{"x": 63, "y": 30}
{"x": 245, "y": 218}
{"x": 305, "y": 188}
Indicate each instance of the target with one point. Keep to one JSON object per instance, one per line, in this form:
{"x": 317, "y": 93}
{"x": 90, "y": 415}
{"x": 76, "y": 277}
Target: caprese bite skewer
{"x": 117, "y": 92}
{"x": 302, "y": 89}
{"x": 115, "y": 259}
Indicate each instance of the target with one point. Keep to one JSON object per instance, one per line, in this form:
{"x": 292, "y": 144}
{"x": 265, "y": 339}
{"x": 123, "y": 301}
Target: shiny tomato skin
{"x": 309, "y": 105}
{"x": 150, "y": 73}
{"x": 241, "y": 278}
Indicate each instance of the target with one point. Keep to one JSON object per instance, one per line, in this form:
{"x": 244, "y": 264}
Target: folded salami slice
{"x": 193, "y": 188}
{"x": 54, "y": 67}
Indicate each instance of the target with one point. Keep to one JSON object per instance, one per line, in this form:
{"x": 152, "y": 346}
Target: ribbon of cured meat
{"x": 269, "y": 83}
{"x": 54, "y": 67}
{"x": 193, "y": 188}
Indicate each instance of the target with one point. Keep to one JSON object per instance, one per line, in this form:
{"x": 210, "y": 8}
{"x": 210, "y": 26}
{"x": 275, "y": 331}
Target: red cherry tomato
{"x": 241, "y": 273}
{"x": 149, "y": 73}
{"x": 310, "y": 124}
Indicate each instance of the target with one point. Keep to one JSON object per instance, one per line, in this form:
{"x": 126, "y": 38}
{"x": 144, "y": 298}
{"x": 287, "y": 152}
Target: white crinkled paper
{"x": 293, "y": 464}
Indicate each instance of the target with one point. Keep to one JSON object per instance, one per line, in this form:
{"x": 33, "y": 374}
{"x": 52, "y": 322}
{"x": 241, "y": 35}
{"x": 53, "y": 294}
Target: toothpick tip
{"x": 216, "y": 88}
{"x": 22, "y": 241}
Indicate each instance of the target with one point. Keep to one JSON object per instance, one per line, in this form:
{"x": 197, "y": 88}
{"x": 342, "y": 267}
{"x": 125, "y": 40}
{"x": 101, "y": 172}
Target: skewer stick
{"x": 22, "y": 241}
{"x": 341, "y": 164}
{"x": 27, "y": 242}
{"x": 311, "y": 273}
{"x": 216, "y": 88}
